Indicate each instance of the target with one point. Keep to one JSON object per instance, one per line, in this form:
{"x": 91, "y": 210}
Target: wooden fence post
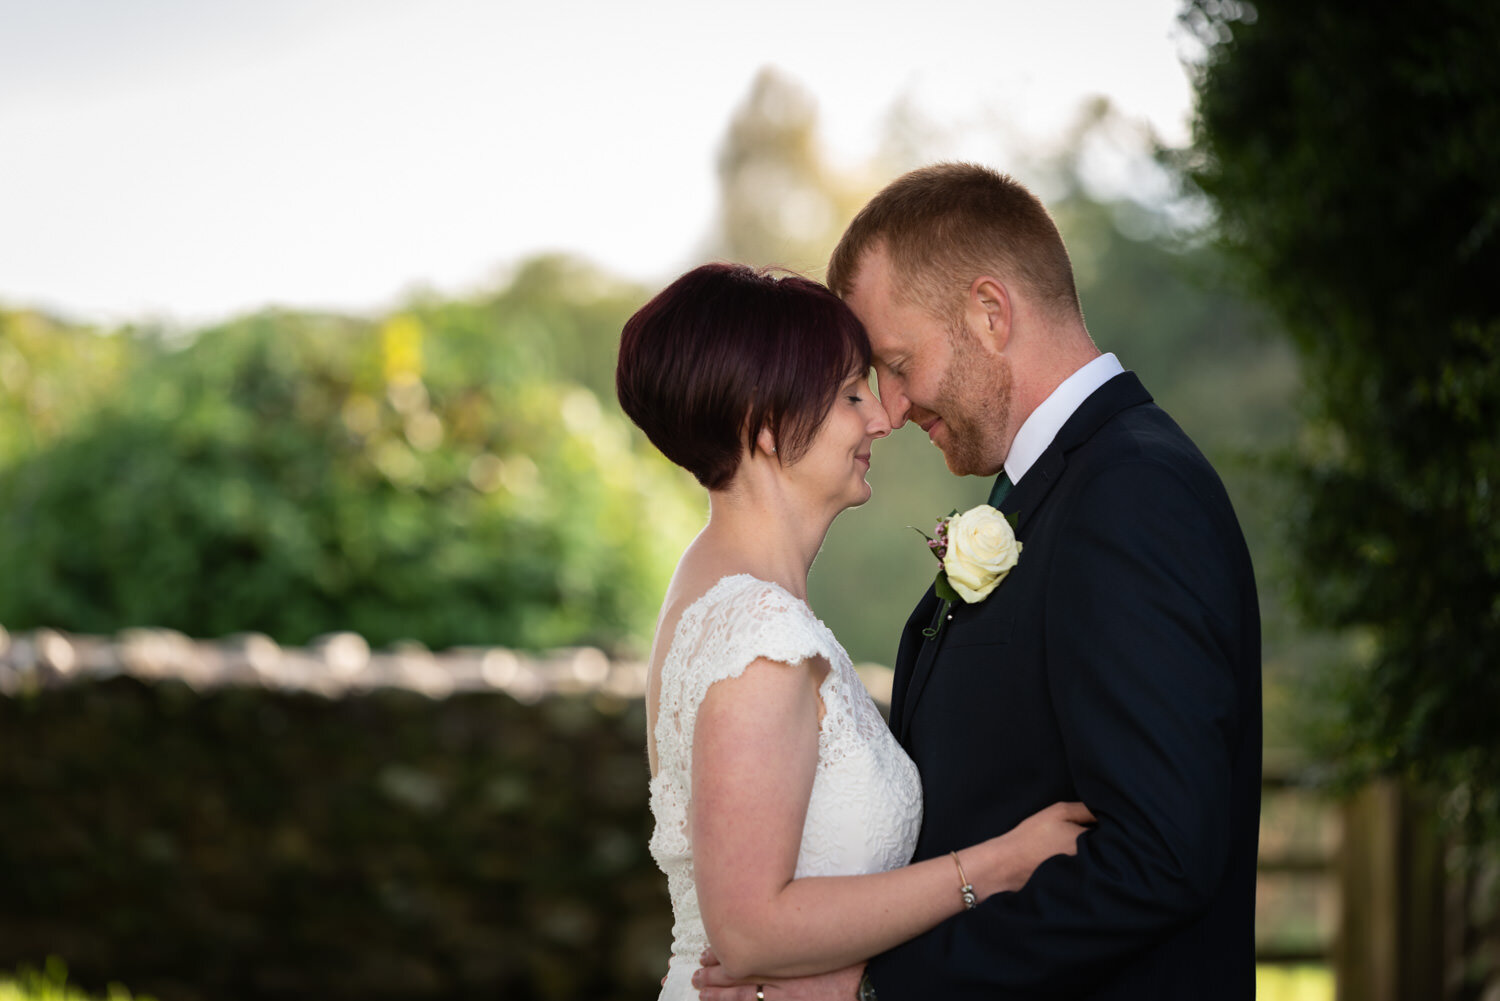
{"x": 1391, "y": 876}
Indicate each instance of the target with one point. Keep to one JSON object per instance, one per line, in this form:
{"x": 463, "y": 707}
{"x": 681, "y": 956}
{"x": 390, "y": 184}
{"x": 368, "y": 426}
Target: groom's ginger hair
{"x": 945, "y": 225}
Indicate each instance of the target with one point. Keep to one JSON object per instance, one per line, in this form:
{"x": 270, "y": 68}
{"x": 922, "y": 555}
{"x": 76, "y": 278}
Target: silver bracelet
{"x": 965, "y": 889}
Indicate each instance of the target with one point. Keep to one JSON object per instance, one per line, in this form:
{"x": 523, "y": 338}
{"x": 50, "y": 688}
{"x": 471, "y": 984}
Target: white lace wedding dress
{"x": 866, "y": 801}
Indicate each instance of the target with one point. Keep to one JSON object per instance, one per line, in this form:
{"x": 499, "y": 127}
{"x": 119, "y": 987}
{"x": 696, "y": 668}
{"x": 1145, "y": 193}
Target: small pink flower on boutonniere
{"x": 977, "y": 549}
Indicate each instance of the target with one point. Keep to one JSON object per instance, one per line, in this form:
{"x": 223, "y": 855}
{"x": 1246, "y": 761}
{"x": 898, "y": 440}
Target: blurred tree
{"x": 563, "y": 317}
{"x": 427, "y": 477}
{"x": 780, "y": 201}
{"x": 52, "y": 375}
{"x": 1353, "y": 154}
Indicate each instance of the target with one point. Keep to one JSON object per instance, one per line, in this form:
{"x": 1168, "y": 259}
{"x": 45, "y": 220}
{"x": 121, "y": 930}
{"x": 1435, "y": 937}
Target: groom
{"x": 1118, "y": 663}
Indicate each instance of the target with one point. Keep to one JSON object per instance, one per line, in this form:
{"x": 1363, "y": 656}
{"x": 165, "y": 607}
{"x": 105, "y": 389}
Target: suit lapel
{"x": 1025, "y": 498}
{"x": 913, "y": 665}
{"x": 1120, "y": 393}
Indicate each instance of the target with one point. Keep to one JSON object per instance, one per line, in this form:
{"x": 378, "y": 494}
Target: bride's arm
{"x": 755, "y": 751}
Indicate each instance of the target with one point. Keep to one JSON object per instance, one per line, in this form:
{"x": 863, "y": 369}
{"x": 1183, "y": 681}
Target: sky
{"x": 179, "y": 161}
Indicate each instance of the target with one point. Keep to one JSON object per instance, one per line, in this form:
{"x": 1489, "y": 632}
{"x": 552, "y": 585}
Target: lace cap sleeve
{"x": 738, "y": 621}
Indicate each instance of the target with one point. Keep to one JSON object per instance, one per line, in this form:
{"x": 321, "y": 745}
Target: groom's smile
{"x": 932, "y": 373}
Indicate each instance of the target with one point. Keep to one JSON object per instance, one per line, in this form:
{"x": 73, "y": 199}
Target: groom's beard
{"x": 974, "y": 400}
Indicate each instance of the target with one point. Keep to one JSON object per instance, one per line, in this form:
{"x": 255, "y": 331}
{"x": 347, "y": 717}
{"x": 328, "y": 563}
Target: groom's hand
{"x": 714, "y": 984}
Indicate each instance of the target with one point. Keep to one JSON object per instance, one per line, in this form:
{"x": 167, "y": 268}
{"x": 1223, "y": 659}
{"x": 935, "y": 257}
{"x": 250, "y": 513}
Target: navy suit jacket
{"x": 1118, "y": 664}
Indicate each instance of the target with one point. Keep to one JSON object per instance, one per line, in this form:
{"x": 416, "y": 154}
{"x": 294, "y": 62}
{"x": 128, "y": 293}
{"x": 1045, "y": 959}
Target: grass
{"x": 1282, "y": 983}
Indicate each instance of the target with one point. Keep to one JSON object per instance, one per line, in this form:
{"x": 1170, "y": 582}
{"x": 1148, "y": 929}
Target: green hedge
{"x": 418, "y": 478}
{"x": 247, "y": 843}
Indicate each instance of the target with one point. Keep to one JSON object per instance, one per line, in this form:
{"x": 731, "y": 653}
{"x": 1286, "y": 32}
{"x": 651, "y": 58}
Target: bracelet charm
{"x": 965, "y": 889}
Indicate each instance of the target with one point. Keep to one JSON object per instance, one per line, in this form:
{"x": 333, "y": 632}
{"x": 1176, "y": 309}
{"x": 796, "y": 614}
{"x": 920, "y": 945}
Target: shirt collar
{"x": 1047, "y": 419}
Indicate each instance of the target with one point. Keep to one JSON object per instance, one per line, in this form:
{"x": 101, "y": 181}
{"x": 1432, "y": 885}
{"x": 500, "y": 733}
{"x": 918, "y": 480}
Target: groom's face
{"x": 932, "y": 374}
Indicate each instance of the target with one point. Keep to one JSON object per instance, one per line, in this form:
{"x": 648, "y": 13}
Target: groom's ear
{"x": 988, "y": 313}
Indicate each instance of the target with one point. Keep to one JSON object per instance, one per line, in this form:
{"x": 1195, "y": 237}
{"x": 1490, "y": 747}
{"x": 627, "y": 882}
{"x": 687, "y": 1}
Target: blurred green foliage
{"x": 52, "y": 375}
{"x": 50, "y": 983}
{"x": 445, "y": 474}
{"x": 1353, "y": 154}
{"x": 246, "y": 843}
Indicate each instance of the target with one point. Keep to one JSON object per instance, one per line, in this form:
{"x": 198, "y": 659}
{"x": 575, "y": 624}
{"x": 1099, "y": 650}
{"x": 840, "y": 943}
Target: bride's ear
{"x": 765, "y": 441}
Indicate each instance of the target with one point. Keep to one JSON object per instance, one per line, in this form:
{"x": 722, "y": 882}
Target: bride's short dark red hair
{"x": 726, "y": 350}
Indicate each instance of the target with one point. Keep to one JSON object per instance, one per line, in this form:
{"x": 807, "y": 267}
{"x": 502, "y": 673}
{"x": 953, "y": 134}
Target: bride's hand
{"x": 714, "y": 984}
{"x": 1007, "y": 862}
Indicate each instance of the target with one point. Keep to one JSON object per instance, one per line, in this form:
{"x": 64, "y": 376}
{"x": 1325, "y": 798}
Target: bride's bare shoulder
{"x": 691, "y": 581}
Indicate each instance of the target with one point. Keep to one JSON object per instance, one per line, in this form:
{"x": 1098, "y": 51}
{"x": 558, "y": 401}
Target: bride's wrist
{"x": 993, "y": 866}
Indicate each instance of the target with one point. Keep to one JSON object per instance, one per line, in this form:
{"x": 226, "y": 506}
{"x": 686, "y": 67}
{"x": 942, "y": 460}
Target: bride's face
{"x": 834, "y": 466}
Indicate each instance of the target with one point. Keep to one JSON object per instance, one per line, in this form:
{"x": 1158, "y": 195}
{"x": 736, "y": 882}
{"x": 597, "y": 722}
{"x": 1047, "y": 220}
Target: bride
{"x": 785, "y": 810}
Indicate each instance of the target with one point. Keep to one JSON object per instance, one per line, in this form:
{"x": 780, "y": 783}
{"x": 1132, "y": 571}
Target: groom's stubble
{"x": 975, "y": 400}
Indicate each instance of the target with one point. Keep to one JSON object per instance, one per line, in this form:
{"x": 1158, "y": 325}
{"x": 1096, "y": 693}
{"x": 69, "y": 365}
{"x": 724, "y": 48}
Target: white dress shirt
{"x": 1047, "y": 419}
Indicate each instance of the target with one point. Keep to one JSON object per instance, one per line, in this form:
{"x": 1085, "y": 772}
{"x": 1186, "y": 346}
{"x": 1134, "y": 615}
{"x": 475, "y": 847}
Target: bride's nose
{"x": 879, "y": 424}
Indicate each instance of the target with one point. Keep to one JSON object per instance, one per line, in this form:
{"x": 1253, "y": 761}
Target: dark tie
{"x": 1000, "y": 489}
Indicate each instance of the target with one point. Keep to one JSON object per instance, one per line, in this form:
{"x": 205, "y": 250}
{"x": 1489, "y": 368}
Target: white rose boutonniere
{"x": 982, "y": 549}
{"x": 977, "y": 549}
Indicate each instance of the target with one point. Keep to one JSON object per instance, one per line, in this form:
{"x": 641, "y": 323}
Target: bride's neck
{"x": 770, "y": 541}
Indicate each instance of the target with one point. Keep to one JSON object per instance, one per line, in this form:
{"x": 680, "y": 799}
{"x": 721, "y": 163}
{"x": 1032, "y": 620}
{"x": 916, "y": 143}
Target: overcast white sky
{"x": 186, "y": 159}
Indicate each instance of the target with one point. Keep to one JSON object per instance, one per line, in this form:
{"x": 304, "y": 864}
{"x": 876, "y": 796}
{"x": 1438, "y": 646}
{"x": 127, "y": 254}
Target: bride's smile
{"x": 836, "y": 462}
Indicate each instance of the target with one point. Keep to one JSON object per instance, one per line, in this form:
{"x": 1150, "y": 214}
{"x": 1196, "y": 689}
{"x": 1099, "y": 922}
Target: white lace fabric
{"x": 865, "y": 806}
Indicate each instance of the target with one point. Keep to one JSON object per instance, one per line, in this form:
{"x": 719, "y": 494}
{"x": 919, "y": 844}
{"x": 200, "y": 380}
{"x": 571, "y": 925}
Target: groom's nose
{"x": 893, "y": 399}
